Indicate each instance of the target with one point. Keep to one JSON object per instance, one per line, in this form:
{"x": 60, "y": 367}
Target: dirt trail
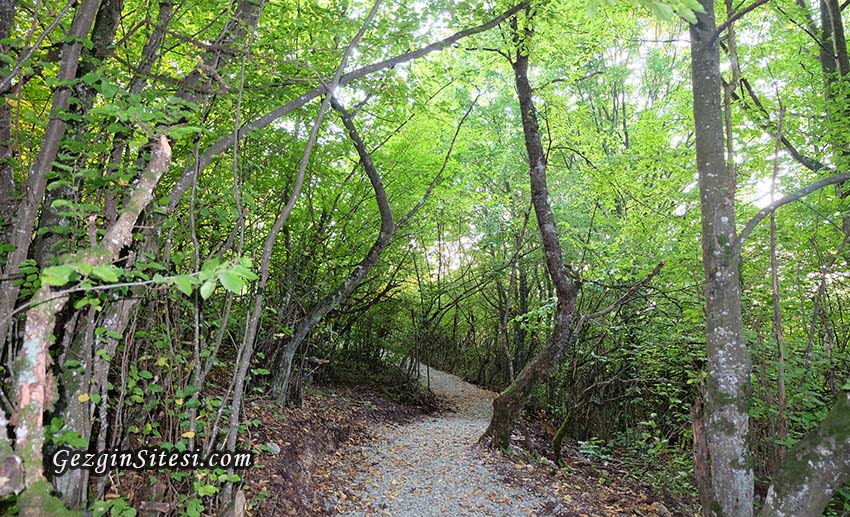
{"x": 431, "y": 467}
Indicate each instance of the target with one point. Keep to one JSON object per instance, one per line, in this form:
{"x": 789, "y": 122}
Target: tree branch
{"x": 769, "y": 209}
{"x": 807, "y": 162}
{"x": 737, "y": 16}
{"x": 259, "y": 123}
{"x": 433, "y": 184}
{"x": 623, "y": 299}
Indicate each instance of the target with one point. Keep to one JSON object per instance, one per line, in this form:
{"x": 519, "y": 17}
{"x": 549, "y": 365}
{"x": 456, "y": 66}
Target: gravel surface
{"x": 432, "y": 467}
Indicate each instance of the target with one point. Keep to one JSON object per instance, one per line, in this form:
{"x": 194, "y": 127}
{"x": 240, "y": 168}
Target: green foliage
{"x": 612, "y": 89}
{"x": 58, "y": 435}
{"x": 117, "y": 507}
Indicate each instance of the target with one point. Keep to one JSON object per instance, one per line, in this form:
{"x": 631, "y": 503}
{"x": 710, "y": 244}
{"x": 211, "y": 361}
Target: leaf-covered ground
{"x": 356, "y": 453}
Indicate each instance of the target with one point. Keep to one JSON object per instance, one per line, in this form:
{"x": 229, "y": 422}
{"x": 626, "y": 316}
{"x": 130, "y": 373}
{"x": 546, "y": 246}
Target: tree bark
{"x": 814, "y": 468}
{"x": 728, "y": 388}
{"x": 28, "y": 208}
{"x": 507, "y": 405}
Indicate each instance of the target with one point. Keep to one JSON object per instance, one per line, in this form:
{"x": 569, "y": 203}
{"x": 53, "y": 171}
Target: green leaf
{"x": 194, "y": 507}
{"x": 91, "y": 77}
{"x": 244, "y": 272}
{"x": 207, "y": 288}
{"x": 82, "y": 302}
{"x": 107, "y": 273}
{"x": 184, "y": 283}
{"x": 231, "y": 281}
{"x": 687, "y": 14}
{"x": 190, "y": 390}
{"x": 694, "y": 6}
{"x": 57, "y": 275}
{"x": 179, "y": 132}
{"x": 663, "y": 11}
{"x": 210, "y": 265}
{"x": 207, "y": 490}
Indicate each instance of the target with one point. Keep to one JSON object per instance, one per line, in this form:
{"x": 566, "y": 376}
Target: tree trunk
{"x": 778, "y": 334}
{"x": 283, "y": 369}
{"x": 507, "y": 405}
{"x": 35, "y": 385}
{"x": 519, "y": 329}
{"x": 728, "y": 389}
{"x": 28, "y": 208}
{"x": 103, "y": 35}
{"x": 814, "y": 468}
{"x": 8, "y": 188}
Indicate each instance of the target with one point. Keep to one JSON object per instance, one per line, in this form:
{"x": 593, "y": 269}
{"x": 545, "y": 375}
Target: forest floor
{"x": 354, "y": 452}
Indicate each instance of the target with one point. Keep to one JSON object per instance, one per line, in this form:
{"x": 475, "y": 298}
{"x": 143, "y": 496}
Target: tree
{"x": 817, "y": 464}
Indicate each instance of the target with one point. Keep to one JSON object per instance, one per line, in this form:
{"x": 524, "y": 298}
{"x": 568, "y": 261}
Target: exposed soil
{"x": 354, "y": 452}
{"x": 291, "y": 482}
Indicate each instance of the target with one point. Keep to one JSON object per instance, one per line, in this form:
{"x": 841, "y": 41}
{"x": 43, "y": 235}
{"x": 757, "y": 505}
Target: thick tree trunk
{"x": 728, "y": 389}
{"x": 814, "y": 468}
{"x": 507, "y": 405}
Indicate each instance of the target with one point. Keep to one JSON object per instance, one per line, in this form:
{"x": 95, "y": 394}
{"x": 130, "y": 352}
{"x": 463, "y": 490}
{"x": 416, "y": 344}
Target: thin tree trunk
{"x": 507, "y": 405}
{"x": 358, "y": 274}
{"x": 28, "y": 208}
{"x": 36, "y": 388}
{"x": 103, "y": 35}
{"x": 8, "y": 188}
{"x": 255, "y": 311}
{"x": 778, "y": 335}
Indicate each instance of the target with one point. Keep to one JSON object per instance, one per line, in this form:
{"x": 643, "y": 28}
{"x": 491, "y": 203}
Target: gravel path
{"x": 431, "y": 467}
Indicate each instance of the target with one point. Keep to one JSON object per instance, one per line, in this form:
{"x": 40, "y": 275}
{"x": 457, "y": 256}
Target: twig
{"x": 623, "y": 299}
{"x": 7, "y": 81}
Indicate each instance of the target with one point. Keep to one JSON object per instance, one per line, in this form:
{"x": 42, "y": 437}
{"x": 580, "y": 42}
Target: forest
{"x": 599, "y": 241}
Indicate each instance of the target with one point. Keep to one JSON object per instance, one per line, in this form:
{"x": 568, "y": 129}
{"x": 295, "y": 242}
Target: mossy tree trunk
{"x": 728, "y": 389}
{"x": 820, "y": 462}
{"x": 814, "y": 468}
{"x": 507, "y": 405}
